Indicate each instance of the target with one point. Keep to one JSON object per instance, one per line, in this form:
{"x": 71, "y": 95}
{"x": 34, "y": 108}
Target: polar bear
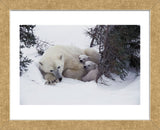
{"x": 83, "y": 58}
{"x": 92, "y": 71}
{"x": 59, "y": 61}
{"x": 90, "y": 55}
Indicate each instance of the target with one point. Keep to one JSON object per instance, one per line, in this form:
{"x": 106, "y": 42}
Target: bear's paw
{"x": 51, "y": 79}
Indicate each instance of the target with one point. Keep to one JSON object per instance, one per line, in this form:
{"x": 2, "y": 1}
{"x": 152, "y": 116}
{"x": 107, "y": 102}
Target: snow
{"x": 33, "y": 91}
{"x": 64, "y": 35}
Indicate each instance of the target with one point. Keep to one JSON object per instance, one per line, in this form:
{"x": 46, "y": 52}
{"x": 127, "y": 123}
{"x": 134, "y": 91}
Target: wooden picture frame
{"x": 154, "y": 8}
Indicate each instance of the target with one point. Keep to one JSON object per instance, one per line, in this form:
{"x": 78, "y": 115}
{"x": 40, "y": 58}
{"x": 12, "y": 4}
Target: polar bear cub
{"x": 92, "y": 71}
{"x": 90, "y": 56}
{"x": 83, "y": 58}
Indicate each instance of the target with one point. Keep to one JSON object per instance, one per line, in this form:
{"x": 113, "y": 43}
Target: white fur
{"x": 92, "y": 70}
{"x": 93, "y": 55}
{"x": 91, "y": 75}
{"x": 67, "y": 58}
{"x": 83, "y": 58}
{"x": 90, "y": 65}
{"x": 64, "y": 56}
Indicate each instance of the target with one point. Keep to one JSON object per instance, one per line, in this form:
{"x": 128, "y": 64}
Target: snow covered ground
{"x": 70, "y": 91}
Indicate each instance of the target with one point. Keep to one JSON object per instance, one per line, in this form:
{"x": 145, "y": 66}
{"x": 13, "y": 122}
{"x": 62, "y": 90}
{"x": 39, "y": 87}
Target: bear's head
{"x": 56, "y": 66}
{"x": 90, "y": 65}
{"x": 83, "y": 58}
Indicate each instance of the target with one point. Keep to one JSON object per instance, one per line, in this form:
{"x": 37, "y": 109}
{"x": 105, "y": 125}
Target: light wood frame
{"x": 152, "y": 5}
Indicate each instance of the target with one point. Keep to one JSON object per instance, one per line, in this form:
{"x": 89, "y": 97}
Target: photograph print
{"x": 79, "y": 64}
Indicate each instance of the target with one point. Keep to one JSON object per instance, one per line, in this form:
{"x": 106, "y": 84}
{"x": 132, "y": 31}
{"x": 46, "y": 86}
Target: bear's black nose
{"x": 60, "y": 79}
{"x": 81, "y": 61}
{"x": 84, "y": 66}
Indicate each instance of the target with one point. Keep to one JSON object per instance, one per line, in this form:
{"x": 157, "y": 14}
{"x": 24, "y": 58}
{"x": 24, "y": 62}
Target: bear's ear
{"x": 40, "y": 63}
{"x": 60, "y": 57}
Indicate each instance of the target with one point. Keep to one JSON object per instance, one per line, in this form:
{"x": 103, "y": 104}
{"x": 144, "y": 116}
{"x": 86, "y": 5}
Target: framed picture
{"x": 36, "y": 94}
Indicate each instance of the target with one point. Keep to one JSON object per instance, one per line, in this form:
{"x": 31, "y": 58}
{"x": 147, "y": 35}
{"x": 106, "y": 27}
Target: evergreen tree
{"x": 24, "y": 62}
{"x": 27, "y": 39}
{"x": 119, "y": 46}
